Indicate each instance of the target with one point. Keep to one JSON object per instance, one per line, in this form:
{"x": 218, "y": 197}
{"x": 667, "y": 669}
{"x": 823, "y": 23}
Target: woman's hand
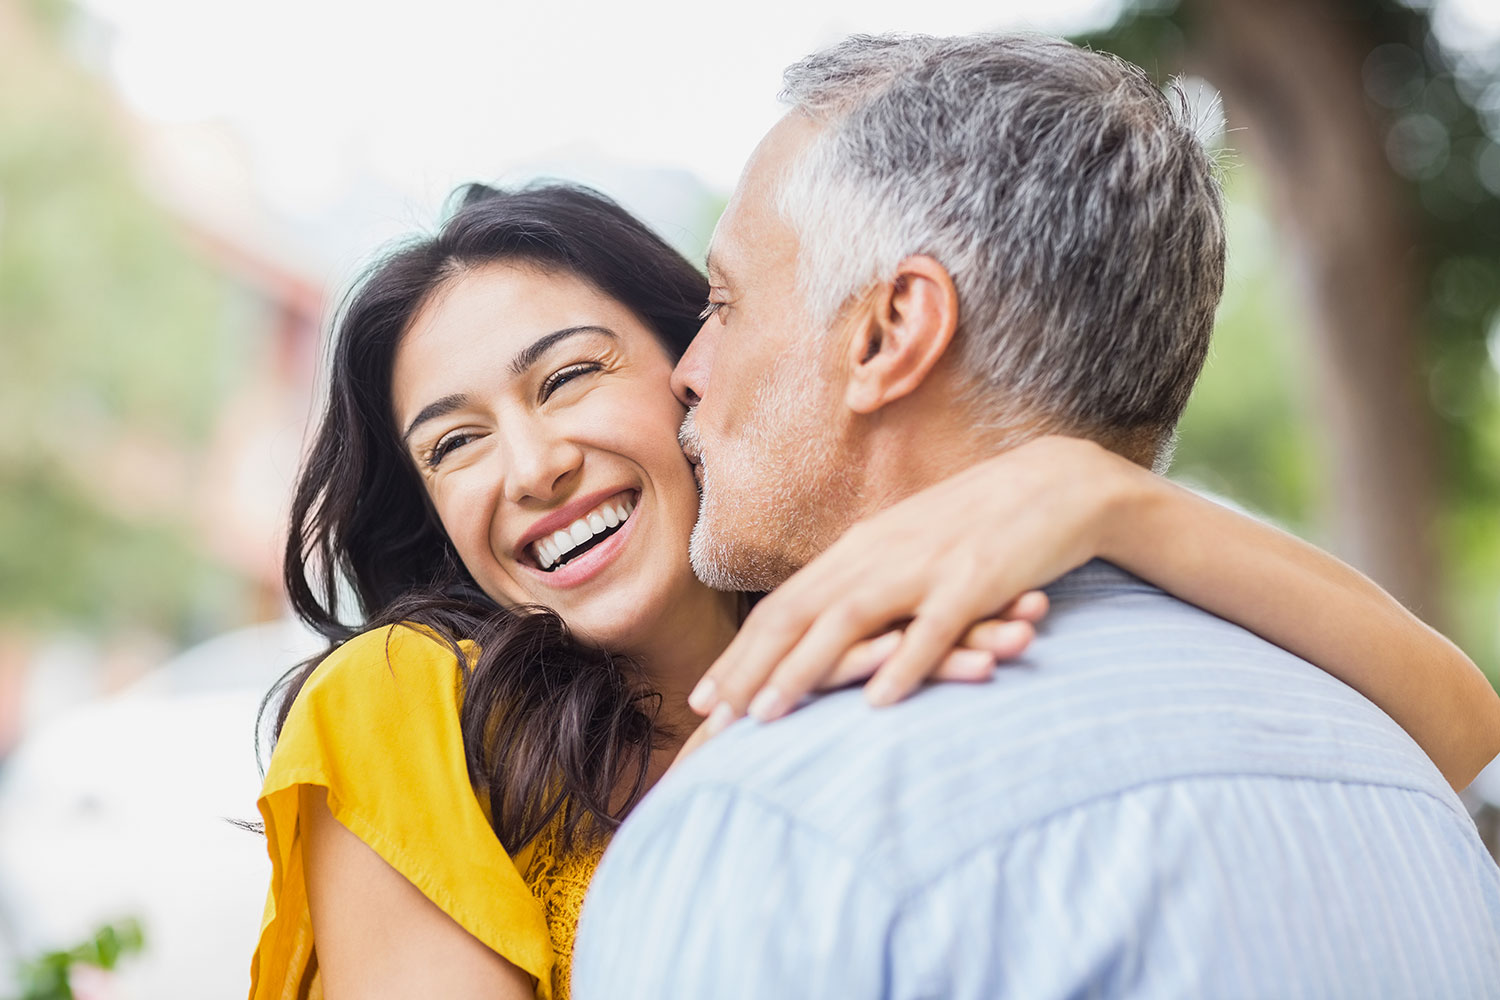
{"x": 941, "y": 560}
{"x": 992, "y": 641}
{"x": 974, "y": 658}
{"x": 948, "y": 556}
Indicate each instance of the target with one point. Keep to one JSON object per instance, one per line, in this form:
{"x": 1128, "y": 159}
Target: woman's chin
{"x": 615, "y": 621}
{"x": 621, "y": 638}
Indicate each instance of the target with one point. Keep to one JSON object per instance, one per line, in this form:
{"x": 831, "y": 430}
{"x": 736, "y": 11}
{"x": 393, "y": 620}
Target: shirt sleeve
{"x": 712, "y": 893}
{"x": 377, "y": 727}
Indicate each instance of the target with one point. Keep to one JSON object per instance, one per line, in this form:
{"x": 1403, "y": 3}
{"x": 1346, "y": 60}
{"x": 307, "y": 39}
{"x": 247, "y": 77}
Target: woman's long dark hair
{"x": 551, "y": 726}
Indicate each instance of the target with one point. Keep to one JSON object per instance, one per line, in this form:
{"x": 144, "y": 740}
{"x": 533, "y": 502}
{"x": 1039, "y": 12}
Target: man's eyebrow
{"x": 441, "y": 408}
{"x": 712, "y": 266}
{"x": 529, "y": 355}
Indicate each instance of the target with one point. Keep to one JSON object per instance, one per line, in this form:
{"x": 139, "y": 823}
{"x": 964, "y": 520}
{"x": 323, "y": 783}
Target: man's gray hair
{"x": 1070, "y": 199}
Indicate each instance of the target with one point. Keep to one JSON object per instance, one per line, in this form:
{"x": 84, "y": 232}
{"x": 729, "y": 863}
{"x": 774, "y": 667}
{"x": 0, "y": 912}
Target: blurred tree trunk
{"x": 1291, "y": 74}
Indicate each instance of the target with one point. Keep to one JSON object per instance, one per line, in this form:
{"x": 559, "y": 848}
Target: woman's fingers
{"x": 784, "y": 653}
{"x": 973, "y": 660}
{"x": 933, "y": 633}
{"x": 962, "y": 665}
{"x": 968, "y": 665}
{"x": 862, "y": 660}
{"x": 772, "y": 629}
{"x": 805, "y": 665}
{"x": 1004, "y": 640}
{"x": 769, "y": 690}
{"x": 990, "y": 641}
{"x": 1031, "y": 606}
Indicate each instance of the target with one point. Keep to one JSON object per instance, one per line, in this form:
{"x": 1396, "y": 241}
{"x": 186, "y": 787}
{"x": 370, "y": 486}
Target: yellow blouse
{"x": 377, "y": 726}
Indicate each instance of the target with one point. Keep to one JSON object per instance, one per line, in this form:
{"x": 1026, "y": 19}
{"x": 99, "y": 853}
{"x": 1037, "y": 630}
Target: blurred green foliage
{"x": 1246, "y": 431}
{"x": 49, "y": 977}
{"x": 110, "y": 326}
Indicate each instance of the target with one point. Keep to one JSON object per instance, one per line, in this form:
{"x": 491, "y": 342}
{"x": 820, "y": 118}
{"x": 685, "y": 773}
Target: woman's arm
{"x": 377, "y": 936}
{"x": 953, "y": 553}
{"x": 1311, "y": 604}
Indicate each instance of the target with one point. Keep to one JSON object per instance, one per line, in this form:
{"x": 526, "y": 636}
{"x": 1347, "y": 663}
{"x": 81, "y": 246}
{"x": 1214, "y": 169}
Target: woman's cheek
{"x": 466, "y": 512}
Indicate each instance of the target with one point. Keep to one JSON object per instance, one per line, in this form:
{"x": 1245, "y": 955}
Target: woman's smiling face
{"x": 538, "y": 413}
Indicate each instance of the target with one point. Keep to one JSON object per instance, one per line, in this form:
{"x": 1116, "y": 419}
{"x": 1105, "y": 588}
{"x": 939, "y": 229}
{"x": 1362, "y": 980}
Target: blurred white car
{"x": 121, "y": 807}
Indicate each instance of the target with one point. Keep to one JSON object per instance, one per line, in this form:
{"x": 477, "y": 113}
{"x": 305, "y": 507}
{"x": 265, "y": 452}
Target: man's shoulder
{"x": 1126, "y": 687}
{"x": 1152, "y": 782}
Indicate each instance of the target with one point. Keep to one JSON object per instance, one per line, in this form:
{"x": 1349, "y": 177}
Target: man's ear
{"x": 899, "y": 333}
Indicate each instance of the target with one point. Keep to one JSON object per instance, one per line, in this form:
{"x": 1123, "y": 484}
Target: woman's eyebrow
{"x": 530, "y": 354}
{"x": 440, "y": 408}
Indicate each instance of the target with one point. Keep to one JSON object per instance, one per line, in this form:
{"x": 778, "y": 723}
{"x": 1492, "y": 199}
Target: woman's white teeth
{"x": 610, "y": 514}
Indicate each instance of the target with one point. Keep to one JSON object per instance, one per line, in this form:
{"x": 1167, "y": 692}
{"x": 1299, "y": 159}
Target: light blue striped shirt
{"x": 1155, "y": 803}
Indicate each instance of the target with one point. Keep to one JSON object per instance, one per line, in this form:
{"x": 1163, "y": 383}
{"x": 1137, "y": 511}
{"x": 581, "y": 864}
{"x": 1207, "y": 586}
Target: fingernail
{"x": 720, "y": 718}
{"x": 1006, "y": 639}
{"x": 880, "y": 692}
{"x": 972, "y": 659}
{"x": 766, "y": 705}
{"x": 702, "y": 698}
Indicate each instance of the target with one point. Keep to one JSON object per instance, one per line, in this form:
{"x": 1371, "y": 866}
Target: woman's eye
{"x": 712, "y": 309}
{"x": 563, "y": 376}
{"x": 446, "y": 444}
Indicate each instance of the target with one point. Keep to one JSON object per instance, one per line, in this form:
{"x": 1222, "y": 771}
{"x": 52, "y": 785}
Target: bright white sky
{"x": 325, "y": 93}
{"x": 448, "y": 89}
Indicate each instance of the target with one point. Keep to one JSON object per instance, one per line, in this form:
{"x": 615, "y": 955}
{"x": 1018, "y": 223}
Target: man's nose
{"x": 690, "y": 377}
{"x": 540, "y": 466}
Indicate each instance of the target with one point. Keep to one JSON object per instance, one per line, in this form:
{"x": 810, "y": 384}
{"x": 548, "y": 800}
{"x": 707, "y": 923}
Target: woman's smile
{"x": 584, "y": 547}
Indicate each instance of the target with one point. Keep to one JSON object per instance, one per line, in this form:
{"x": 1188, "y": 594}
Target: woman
{"x": 497, "y": 477}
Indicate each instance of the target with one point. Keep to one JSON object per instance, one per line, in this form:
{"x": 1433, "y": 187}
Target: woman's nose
{"x": 540, "y": 467}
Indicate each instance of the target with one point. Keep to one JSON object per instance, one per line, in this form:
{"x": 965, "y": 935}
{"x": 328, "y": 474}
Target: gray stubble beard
{"x": 799, "y": 480}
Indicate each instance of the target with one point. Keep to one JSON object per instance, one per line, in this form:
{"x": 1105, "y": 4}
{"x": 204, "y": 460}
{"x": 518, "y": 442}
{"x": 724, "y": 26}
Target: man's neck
{"x": 906, "y": 456}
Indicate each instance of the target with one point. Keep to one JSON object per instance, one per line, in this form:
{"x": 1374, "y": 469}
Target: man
{"x": 948, "y": 248}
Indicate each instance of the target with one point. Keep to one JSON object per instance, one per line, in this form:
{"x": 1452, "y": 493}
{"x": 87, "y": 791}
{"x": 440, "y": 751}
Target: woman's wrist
{"x": 1134, "y": 505}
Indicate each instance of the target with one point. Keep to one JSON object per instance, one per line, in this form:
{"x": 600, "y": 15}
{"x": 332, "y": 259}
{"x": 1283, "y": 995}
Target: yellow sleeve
{"x": 377, "y": 726}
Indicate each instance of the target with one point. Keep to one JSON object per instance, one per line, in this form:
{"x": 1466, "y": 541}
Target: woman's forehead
{"x": 491, "y": 323}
